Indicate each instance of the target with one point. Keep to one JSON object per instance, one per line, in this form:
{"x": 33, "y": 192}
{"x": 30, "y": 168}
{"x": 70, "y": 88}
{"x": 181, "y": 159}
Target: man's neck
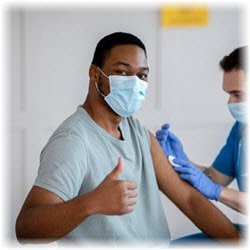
{"x": 104, "y": 117}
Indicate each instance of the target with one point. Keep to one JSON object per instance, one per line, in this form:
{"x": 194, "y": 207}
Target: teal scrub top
{"x": 231, "y": 160}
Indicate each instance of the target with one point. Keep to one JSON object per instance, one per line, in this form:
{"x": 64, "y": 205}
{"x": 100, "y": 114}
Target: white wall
{"x": 50, "y": 52}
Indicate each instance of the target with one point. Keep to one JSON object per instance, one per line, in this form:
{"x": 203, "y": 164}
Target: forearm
{"x": 45, "y": 216}
{"x": 202, "y": 168}
{"x": 51, "y": 222}
{"x": 210, "y": 219}
{"x": 201, "y": 212}
{"x": 234, "y": 199}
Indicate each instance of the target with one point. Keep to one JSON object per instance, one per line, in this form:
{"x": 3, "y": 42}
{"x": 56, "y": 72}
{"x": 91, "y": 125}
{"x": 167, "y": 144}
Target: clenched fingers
{"x": 131, "y": 185}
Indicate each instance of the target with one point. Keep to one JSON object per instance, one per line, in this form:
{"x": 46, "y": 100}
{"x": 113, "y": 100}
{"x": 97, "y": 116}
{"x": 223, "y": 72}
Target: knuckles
{"x": 120, "y": 194}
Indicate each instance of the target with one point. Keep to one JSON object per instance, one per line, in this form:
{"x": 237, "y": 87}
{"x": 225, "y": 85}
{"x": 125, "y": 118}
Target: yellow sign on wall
{"x": 184, "y": 15}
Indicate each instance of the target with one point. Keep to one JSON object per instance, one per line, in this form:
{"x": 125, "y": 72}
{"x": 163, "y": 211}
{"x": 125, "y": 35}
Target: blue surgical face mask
{"x": 127, "y": 94}
{"x": 239, "y": 111}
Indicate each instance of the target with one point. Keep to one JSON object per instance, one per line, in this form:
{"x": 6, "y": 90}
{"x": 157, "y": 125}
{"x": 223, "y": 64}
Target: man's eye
{"x": 143, "y": 76}
{"x": 121, "y": 72}
{"x": 238, "y": 95}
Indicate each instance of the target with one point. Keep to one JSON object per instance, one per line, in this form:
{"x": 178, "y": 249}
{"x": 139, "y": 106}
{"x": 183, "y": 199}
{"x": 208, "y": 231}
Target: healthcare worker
{"x": 231, "y": 162}
{"x": 101, "y": 171}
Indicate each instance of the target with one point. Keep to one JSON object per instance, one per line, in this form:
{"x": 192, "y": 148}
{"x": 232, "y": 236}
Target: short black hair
{"x": 108, "y": 42}
{"x": 235, "y": 60}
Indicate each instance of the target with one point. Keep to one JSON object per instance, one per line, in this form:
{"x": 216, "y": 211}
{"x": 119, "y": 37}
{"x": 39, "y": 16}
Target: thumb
{"x": 117, "y": 170}
{"x": 165, "y": 126}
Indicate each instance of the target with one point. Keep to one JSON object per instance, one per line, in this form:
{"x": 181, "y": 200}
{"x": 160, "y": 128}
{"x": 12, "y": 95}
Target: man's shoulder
{"x": 138, "y": 129}
{"x": 134, "y": 123}
{"x": 71, "y": 127}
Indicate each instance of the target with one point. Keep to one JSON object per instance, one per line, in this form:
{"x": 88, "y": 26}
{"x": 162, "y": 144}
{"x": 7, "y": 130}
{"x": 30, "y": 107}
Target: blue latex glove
{"x": 170, "y": 143}
{"x": 162, "y": 137}
{"x": 198, "y": 179}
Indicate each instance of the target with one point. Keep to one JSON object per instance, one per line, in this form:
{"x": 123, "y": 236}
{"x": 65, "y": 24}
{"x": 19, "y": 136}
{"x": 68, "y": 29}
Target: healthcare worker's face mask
{"x": 239, "y": 111}
{"x": 127, "y": 93}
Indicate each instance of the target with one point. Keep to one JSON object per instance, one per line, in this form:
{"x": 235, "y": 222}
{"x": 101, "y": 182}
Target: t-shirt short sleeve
{"x": 225, "y": 162}
{"x": 63, "y": 166}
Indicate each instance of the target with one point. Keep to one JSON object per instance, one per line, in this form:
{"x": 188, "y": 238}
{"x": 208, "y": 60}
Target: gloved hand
{"x": 198, "y": 179}
{"x": 170, "y": 144}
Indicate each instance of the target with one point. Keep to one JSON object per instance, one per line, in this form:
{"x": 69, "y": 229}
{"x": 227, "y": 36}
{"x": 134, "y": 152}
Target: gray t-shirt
{"x": 77, "y": 158}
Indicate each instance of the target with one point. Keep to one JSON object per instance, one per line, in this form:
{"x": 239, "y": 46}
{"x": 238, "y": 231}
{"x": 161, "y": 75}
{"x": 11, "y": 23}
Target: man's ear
{"x": 93, "y": 73}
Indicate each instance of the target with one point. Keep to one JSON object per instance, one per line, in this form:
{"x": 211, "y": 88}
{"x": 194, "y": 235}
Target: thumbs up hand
{"x": 114, "y": 196}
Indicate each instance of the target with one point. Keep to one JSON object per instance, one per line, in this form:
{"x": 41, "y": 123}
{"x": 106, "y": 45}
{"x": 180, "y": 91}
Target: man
{"x": 231, "y": 162}
{"x": 100, "y": 172}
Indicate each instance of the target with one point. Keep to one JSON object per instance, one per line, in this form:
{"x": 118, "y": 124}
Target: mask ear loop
{"x": 98, "y": 90}
{"x": 102, "y": 72}
{"x": 96, "y": 85}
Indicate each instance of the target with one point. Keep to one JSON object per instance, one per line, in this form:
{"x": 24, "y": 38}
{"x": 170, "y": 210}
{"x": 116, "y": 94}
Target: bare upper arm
{"x": 168, "y": 180}
{"x": 39, "y": 196}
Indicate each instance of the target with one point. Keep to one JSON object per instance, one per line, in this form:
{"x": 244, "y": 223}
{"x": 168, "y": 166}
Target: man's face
{"x": 124, "y": 60}
{"x": 234, "y": 83}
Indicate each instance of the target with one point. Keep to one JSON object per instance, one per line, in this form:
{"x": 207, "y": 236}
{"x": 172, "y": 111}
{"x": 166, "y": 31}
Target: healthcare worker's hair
{"x": 108, "y": 42}
{"x": 235, "y": 60}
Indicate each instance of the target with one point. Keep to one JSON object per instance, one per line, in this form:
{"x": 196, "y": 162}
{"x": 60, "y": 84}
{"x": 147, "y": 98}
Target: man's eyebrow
{"x": 122, "y": 63}
{"x": 128, "y": 65}
{"x": 235, "y": 92}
